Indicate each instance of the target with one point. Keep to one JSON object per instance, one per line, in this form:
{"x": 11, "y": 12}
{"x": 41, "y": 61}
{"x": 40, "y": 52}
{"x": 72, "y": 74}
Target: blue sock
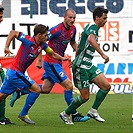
{"x": 31, "y": 98}
{"x": 68, "y": 98}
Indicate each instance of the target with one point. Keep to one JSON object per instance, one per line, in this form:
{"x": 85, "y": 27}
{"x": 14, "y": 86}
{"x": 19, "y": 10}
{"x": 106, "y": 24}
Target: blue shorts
{"x": 14, "y": 80}
{"x": 54, "y": 73}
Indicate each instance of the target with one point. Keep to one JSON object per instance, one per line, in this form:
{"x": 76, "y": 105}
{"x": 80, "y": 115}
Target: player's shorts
{"x": 82, "y": 77}
{"x": 54, "y": 73}
{"x": 14, "y": 80}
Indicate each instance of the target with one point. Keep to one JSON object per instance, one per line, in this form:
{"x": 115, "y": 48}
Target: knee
{"x": 106, "y": 86}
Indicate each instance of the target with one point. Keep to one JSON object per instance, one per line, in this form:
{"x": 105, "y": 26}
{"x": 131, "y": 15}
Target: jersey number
{"x": 85, "y": 83}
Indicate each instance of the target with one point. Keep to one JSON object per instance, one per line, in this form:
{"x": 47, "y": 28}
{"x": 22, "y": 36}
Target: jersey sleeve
{"x": 24, "y": 38}
{"x": 53, "y": 32}
{"x": 46, "y": 48}
{"x": 93, "y": 29}
{"x": 74, "y": 35}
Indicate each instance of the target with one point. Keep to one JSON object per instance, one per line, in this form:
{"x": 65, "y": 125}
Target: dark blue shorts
{"x": 54, "y": 73}
{"x": 14, "y": 80}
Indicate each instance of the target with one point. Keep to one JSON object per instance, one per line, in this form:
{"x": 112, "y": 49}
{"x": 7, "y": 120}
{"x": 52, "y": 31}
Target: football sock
{"x": 100, "y": 96}
{"x": 31, "y": 98}
{"x": 74, "y": 105}
{"x": 68, "y": 98}
{"x": 2, "y": 109}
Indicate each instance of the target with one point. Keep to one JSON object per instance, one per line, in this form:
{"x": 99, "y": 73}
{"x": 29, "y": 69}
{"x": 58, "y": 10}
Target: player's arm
{"x": 39, "y": 61}
{"x": 55, "y": 55}
{"x": 13, "y": 34}
{"x": 93, "y": 42}
{"x": 74, "y": 45}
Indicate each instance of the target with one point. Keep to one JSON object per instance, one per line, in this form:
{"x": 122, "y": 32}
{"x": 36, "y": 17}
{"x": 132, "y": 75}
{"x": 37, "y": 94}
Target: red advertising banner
{"x": 35, "y": 73}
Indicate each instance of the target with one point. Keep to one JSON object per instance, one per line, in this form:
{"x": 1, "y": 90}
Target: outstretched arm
{"x": 13, "y": 34}
{"x": 55, "y": 55}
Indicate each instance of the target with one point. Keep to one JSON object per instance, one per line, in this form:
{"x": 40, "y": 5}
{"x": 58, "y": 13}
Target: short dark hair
{"x": 98, "y": 11}
{"x": 39, "y": 28}
{"x": 1, "y": 9}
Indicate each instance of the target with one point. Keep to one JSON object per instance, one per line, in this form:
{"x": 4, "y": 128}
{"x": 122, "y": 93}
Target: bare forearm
{"x": 56, "y": 56}
{"x": 10, "y": 37}
{"x": 95, "y": 45}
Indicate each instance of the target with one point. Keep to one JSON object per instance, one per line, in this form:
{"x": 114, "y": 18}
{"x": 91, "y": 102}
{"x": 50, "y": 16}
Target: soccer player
{"x": 3, "y": 119}
{"x": 59, "y": 37}
{"x": 84, "y": 72}
{"x": 15, "y": 78}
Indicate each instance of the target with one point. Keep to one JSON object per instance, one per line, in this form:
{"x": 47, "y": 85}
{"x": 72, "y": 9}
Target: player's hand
{"x": 70, "y": 64}
{"x": 106, "y": 58}
{"x": 39, "y": 64}
{"x": 7, "y": 51}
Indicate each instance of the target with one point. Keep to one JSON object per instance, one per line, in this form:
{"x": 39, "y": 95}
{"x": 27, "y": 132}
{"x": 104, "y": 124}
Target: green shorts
{"x": 82, "y": 77}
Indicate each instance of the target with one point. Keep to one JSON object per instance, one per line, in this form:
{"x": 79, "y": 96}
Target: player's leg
{"x": 57, "y": 75}
{"x": 4, "y": 92}
{"x": 100, "y": 80}
{"x": 30, "y": 100}
{"x": 84, "y": 94}
{"x": 76, "y": 116}
{"x": 76, "y": 102}
{"x": 19, "y": 80}
{"x": 3, "y": 119}
{"x": 18, "y": 93}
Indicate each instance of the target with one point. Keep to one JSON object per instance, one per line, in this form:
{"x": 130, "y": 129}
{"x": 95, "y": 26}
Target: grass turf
{"x": 116, "y": 110}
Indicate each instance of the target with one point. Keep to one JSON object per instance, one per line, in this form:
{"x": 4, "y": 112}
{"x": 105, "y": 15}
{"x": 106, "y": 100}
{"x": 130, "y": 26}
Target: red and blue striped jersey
{"x": 59, "y": 37}
{"x": 27, "y": 53}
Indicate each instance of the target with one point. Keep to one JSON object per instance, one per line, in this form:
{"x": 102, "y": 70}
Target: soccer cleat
{"x": 79, "y": 118}
{"x": 6, "y": 121}
{"x": 95, "y": 116}
{"x": 14, "y": 97}
{"x": 26, "y": 119}
{"x": 65, "y": 118}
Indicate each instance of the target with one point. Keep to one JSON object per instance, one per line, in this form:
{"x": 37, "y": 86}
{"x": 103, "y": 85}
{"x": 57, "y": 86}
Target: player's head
{"x": 69, "y": 17}
{"x": 41, "y": 33}
{"x": 100, "y": 16}
{"x": 1, "y": 13}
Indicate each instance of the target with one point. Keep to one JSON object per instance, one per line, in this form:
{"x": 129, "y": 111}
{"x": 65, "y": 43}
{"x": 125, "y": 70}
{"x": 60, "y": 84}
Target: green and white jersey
{"x": 85, "y": 50}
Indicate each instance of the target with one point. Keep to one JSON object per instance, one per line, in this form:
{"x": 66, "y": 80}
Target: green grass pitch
{"x": 116, "y": 110}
